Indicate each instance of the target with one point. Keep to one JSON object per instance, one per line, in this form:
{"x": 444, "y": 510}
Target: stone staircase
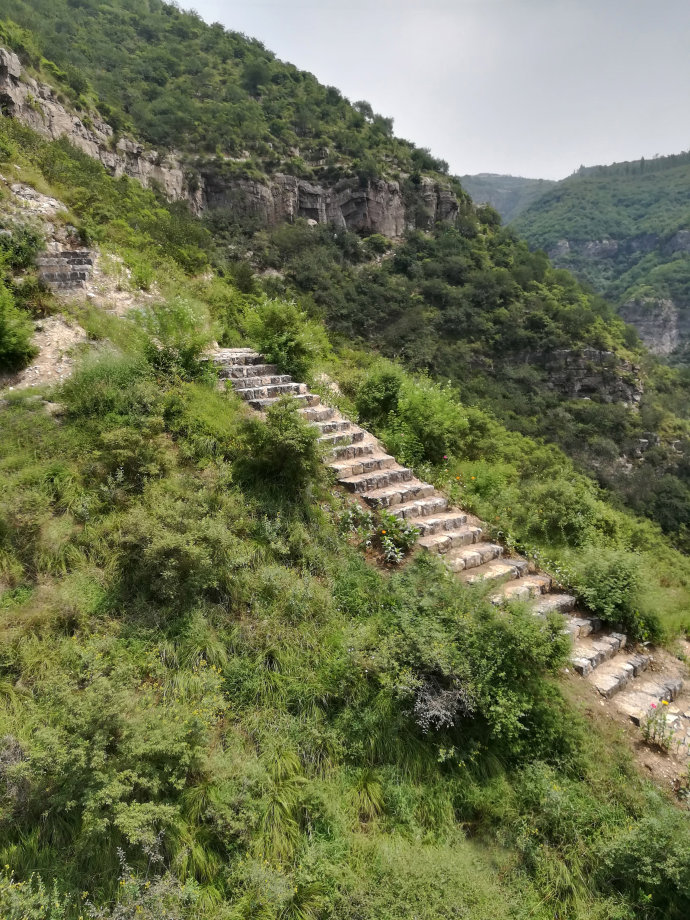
{"x": 363, "y": 468}
{"x": 65, "y": 269}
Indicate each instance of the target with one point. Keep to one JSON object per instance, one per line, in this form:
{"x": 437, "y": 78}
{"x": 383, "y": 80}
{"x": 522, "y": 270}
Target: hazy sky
{"x": 528, "y": 87}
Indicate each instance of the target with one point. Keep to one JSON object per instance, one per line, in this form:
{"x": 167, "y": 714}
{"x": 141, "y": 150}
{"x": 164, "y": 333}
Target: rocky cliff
{"x": 662, "y": 325}
{"x": 37, "y": 105}
{"x": 373, "y": 206}
{"x": 588, "y": 373}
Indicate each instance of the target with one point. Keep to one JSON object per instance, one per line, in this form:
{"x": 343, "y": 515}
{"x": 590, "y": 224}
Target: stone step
{"x": 423, "y": 507}
{"x": 402, "y": 492}
{"x": 265, "y": 380}
{"x": 332, "y": 425}
{"x": 242, "y": 371}
{"x": 349, "y": 436}
{"x": 269, "y": 392}
{"x": 238, "y": 358}
{"x": 523, "y": 589}
{"x": 636, "y": 701}
{"x": 438, "y": 523}
{"x": 496, "y": 570}
{"x": 614, "y": 675}
{"x": 351, "y": 451}
{"x": 359, "y": 466}
{"x": 470, "y": 557}
{"x": 447, "y": 540}
{"x": 64, "y": 277}
{"x": 590, "y": 652}
{"x": 320, "y": 415}
{"x": 367, "y": 482}
{"x": 581, "y": 627}
{"x": 309, "y": 399}
{"x": 553, "y": 603}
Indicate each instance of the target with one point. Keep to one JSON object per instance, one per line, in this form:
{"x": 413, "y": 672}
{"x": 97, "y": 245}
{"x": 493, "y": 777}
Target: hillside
{"x": 280, "y": 502}
{"x": 470, "y": 304}
{"x": 625, "y": 229}
{"x": 509, "y": 195}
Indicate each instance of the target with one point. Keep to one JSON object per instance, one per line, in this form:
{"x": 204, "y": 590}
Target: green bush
{"x": 110, "y": 383}
{"x": 179, "y": 331}
{"x": 419, "y": 420}
{"x": 282, "y": 452}
{"x": 651, "y": 865}
{"x": 16, "y": 330}
{"x": 609, "y": 582}
{"x": 286, "y": 336}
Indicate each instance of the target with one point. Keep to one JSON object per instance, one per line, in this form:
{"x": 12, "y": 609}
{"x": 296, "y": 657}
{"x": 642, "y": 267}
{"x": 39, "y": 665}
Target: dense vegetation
{"x": 641, "y": 204}
{"x": 509, "y": 195}
{"x": 471, "y": 304}
{"x": 179, "y": 83}
{"x": 215, "y": 708}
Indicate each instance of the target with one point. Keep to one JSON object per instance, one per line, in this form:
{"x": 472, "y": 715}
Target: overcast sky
{"x": 527, "y": 87}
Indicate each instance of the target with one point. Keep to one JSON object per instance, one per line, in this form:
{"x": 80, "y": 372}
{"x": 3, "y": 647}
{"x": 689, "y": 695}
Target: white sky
{"x": 527, "y": 87}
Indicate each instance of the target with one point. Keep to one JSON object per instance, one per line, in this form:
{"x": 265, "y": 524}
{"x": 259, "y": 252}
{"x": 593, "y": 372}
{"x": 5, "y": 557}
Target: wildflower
{"x": 457, "y": 477}
{"x": 665, "y": 702}
{"x": 383, "y": 531}
{"x": 473, "y": 477}
{"x": 653, "y": 705}
{"x": 445, "y": 457}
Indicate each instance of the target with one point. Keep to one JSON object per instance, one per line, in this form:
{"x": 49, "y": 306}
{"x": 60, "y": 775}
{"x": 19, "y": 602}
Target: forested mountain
{"x": 178, "y": 83}
{"x": 229, "y": 691}
{"x": 469, "y": 303}
{"x": 625, "y": 229}
{"x": 509, "y": 195}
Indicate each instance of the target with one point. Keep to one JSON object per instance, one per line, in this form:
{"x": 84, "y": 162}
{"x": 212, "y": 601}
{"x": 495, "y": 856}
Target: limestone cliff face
{"x": 36, "y": 105}
{"x": 609, "y": 248}
{"x": 661, "y": 324}
{"x": 375, "y": 206}
{"x": 589, "y": 373}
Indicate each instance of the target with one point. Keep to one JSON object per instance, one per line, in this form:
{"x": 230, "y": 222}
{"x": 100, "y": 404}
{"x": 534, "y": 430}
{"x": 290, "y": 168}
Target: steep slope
{"x": 509, "y": 195}
{"x": 218, "y": 705}
{"x": 469, "y": 303}
{"x": 625, "y": 229}
{"x": 234, "y": 127}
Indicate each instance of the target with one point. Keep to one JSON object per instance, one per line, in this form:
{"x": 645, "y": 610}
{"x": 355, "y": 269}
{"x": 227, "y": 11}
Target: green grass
{"x": 214, "y": 707}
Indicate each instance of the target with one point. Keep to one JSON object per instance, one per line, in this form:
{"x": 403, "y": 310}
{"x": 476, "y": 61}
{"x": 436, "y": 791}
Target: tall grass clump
{"x": 16, "y": 331}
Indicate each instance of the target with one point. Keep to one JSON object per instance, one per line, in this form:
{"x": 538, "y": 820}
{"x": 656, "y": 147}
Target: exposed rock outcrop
{"x": 37, "y": 105}
{"x": 610, "y": 248}
{"x": 373, "y": 206}
{"x": 662, "y": 326}
{"x": 589, "y": 373}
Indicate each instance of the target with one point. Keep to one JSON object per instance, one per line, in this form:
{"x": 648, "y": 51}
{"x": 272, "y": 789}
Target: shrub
{"x": 286, "y": 336}
{"x": 16, "y": 330}
{"x": 110, "y": 384}
{"x": 609, "y": 581}
{"x": 418, "y": 419}
{"x": 282, "y": 451}
{"x": 179, "y": 331}
{"x": 650, "y": 863}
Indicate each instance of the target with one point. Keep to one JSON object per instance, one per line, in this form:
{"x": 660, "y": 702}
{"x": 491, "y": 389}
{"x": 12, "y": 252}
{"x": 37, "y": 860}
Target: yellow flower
{"x": 383, "y": 531}
{"x": 664, "y": 702}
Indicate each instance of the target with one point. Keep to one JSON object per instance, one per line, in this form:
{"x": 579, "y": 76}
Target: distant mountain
{"x": 509, "y": 195}
{"x": 625, "y": 229}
